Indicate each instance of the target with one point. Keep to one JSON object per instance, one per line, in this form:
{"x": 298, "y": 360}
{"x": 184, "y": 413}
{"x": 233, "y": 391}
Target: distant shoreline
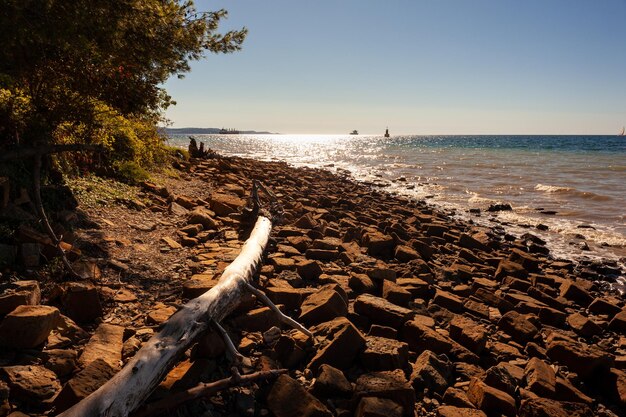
{"x": 208, "y": 131}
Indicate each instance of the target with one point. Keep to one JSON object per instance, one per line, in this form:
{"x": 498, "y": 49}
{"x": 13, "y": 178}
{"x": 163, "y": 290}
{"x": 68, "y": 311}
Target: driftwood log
{"x": 130, "y": 387}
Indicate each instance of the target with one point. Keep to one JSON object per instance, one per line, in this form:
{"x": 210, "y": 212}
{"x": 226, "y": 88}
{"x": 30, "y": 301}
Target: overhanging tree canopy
{"x": 64, "y": 61}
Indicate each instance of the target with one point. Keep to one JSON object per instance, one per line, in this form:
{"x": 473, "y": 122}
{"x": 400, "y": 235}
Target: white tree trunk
{"x": 130, "y": 387}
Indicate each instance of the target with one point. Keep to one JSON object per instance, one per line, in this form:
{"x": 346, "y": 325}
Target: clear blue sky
{"x": 417, "y": 66}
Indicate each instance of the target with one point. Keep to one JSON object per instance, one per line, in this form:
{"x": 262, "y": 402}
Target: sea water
{"x": 581, "y": 179}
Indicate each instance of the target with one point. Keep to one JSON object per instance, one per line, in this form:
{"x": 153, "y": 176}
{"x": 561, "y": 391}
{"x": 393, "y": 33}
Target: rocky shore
{"x": 413, "y": 312}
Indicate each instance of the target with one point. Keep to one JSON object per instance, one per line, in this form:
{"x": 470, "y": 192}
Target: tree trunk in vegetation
{"x": 130, "y": 387}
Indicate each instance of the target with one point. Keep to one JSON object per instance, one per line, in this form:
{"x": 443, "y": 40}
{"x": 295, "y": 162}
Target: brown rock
{"x": 405, "y": 253}
{"x": 28, "y": 326}
{"x": 528, "y": 261}
{"x": 381, "y": 311}
{"x": 81, "y": 302}
{"x": 421, "y": 338}
{"x": 362, "y": 283}
{"x": 160, "y": 313}
{"x": 540, "y": 378}
{"x": 392, "y": 385}
{"x": 582, "y": 325}
{"x": 448, "y": 301}
{"x": 105, "y": 344}
{"x": 225, "y": 204}
{"x": 339, "y": 342}
{"x": 618, "y": 323}
{"x": 500, "y": 377}
{"x": 309, "y": 270}
{"x": 457, "y": 398}
{"x": 331, "y": 382}
{"x": 566, "y": 391}
{"x": 31, "y": 383}
{"x": 543, "y": 407}
{"x": 574, "y": 291}
{"x": 451, "y": 411}
{"x": 604, "y": 305}
{"x": 288, "y": 398}
{"x": 431, "y": 372}
{"x": 396, "y": 294}
{"x": 507, "y": 267}
{"x": 378, "y": 244}
{"x": 198, "y": 285}
{"x": 61, "y": 362}
{"x": 382, "y": 354}
{"x": 579, "y": 357}
{"x": 301, "y": 243}
{"x": 306, "y": 222}
{"x": 468, "y": 333}
{"x": 323, "y": 305}
{"x": 517, "y": 326}
{"x": 490, "y": 400}
{"x": 19, "y": 293}
{"x": 201, "y": 215}
{"x": 258, "y": 320}
{"x": 171, "y": 242}
{"x": 322, "y": 254}
{"x": 469, "y": 242}
{"x": 615, "y": 385}
{"x": 92, "y": 377}
{"x": 288, "y": 296}
{"x": 378, "y": 407}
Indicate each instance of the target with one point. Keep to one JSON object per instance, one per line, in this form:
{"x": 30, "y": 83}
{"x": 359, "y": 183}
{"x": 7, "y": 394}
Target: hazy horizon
{"x": 418, "y": 67}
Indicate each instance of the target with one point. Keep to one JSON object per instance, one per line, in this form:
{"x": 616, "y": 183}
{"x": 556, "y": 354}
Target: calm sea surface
{"x": 581, "y": 178}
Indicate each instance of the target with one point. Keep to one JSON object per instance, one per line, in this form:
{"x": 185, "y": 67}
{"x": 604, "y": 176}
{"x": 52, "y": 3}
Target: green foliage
{"x": 84, "y": 71}
{"x": 131, "y": 172}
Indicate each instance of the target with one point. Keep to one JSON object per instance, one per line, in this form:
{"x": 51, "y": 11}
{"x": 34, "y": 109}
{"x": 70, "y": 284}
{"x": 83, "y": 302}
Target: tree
{"x": 67, "y": 65}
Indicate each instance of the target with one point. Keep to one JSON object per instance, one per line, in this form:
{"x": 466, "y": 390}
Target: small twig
{"x": 230, "y": 346}
{"x": 205, "y": 390}
{"x": 44, "y": 219}
{"x": 284, "y": 318}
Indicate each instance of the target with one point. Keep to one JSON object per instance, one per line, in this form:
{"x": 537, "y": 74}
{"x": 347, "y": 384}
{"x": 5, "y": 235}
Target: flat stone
{"x": 507, "y": 267}
{"x": 448, "y": 301}
{"x": 405, "y": 253}
{"x": 290, "y": 297}
{"x": 258, "y": 320}
{"x": 618, "y": 323}
{"x": 382, "y": 354}
{"x": 431, "y": 372}
{"x": 309, "y": 269}
{"x": 468, "y": 333}
{"x": 288, "y": 398}
{"x": 160, "y": 314}
{"x": 457, "y": 397}
{"x": 31, "y": 383}
{"x": 331, "y": 382}
{"x": 490, "y": 400}
{"x": 171, "y": 242}
{"x": 574, "y": 291}
{"x": 225, "y": 204}
{"x": 451, "y": 411}
{"x": 378, "y": 407}
{"x": 323, "y": 305}
{"x": 391, "y": 385}
{"x": 396, "y": 294}
{"x": 579, "y": 357}
{"x": 106, "y": 344}
{"x": 582, "y": 325}
{"x": 540, "y": 378}
{"x": 19, "y": 293}
{"x": 544, "y": 407}
{"x": 198, "y": 285}
{"x": 378, "y": 244}
{"x": 421, "y": 338}
{"x": 604, "y": 305}
{"x": 92, "y": 377}
{"x": 28, "y": 326}
{"x": 339, "y": 342}
{"x": 61, "y": 361}
{"x": 517, "y": 326}
{"x": 501, "y": 377}
{"x": 203, "y": 216}
{"x": 381, "y": 311}
{"x": 81, "y": 301}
